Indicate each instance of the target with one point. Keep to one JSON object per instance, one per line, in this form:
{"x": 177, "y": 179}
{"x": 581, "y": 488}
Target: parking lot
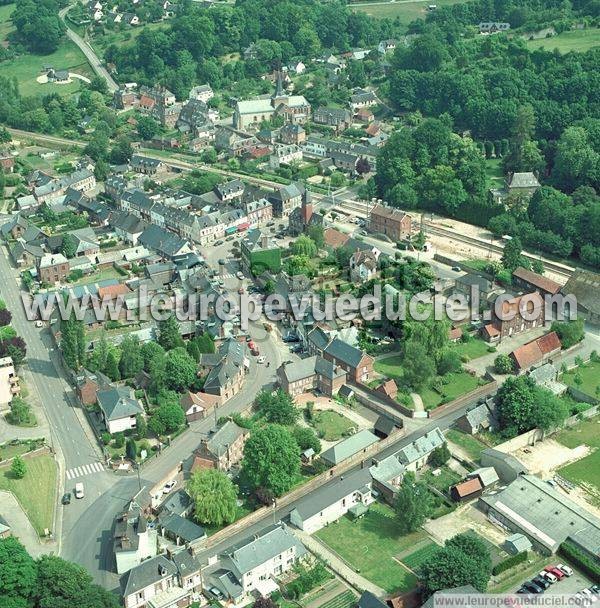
{"x": 569, "y": 584}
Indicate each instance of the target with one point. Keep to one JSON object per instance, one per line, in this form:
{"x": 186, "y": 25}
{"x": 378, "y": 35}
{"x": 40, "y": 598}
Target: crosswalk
{"x": 85, "y": 469}
{"x": 229, "y": 275}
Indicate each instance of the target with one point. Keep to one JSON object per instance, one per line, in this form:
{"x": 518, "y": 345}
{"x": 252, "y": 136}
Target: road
{"x": 89, "y": 52}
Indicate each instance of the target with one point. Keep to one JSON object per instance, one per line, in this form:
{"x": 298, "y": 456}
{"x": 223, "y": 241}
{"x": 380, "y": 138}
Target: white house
{"x": 337, "y": 499}
{"x": 363, "y": 266}
{"x": 119, "y": 408}
{"x": 133, "y": 541}
{"x": 285, "y": 155}
{"x": 416, "y": 454}
{"x": 385, "y": 46}
{"x": 203, "y": 93}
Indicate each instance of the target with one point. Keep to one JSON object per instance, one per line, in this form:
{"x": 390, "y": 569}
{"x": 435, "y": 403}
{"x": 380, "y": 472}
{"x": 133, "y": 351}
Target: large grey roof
{"x": 421, "y": 446}
{"x": 117, "y": 402}
{"x": 179, "y": 526}
{"x": 298, "y": 370}
{"x": 219, "y": 443}
{"x": 147, "y": 573}
{"x": 350, "y": 446}
{"x": 585, "y": 286}
{"x": 344, "y": 352}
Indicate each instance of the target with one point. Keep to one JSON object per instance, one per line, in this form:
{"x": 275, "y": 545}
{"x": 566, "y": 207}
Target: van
{"x": 79, "y": 490}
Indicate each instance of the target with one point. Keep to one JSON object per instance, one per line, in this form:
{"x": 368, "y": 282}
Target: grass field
{"x": 390, "y": 367}
{"x": 576, "y": 40}
{"x": 343, "y": 600}
{"x": 473, "y": 349}
{"x": 471, "y": 445}
{"x": 456, "y": 385}
{"x": 370, "y": 545}
{"x": 330, "y": 425}
{"x": 418, "y": 557}
{"x": 585, "y": 472}
{"x": 26, "y": 68}
{"x": 590, "y": 378}
{"x": 36, "y": 492}
{"x": 404, "y": 11}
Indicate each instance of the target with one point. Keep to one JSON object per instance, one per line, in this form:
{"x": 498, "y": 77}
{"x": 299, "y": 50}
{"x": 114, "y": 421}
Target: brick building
{"x": 394, "y": 223}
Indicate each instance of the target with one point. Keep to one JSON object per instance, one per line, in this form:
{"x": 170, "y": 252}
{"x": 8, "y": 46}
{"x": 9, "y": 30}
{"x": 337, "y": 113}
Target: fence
{"x": 254, "y": 517}
{"x": 37, "y": 452}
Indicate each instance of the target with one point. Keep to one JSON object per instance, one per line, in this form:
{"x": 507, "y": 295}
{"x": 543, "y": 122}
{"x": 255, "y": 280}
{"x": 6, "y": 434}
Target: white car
{"x": 169, "y": 486}
{"x": 79, "y": 493}
{"x": 39, "y": 323}
{"x": 548, "y": 576}
{"x": 261, "y": 359}
{"x": 566, "y": 569}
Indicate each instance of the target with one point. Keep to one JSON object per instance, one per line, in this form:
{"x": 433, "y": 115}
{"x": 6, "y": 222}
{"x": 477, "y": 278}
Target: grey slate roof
{"x": 147, "y": 573}
{"x": 344, "y": 352}
{"x": 117, "y": 403}
{"x": 350, "y": 446}
{"x": 179, "y": 526}
{"x": 224, "y": 438}
{"x": 368, "y": 600}
{"x": 178, "y": 502}
{"x": 523, "y": 180}
{"x": 421, "y": 446}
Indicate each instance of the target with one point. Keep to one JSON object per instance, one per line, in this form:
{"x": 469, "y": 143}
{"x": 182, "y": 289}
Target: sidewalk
{"x": 337, "y": 565}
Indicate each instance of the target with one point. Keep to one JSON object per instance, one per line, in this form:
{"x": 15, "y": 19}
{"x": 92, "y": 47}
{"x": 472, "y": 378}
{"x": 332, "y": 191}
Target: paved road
{"x": 89, "y": 53}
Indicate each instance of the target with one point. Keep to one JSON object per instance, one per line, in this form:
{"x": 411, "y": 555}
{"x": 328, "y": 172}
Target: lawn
{"x": 345, "y": 599}
{"x": 590, "y": 378}
{"x": 404, "y": 11}
{"x": 331, "y": 426}
{"x": 471, "y": 445}
{"x": 585, "y": 472}
{"x": 473, "y": 349}
{"x": 26, "y": 68}
{"x": 576, "y": 40}
{"x": 493, "y": 170}
{"x": 390, "y": 367}
{"x": 418, "y": 557}
{"x": 454, "y": 386}
{"x": 370, "y": 545}
{"x": 36, "y": 492}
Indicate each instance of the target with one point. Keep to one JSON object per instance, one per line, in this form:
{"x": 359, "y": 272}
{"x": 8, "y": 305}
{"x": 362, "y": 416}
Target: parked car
{"x": 532, "y": 587}
{"x": 66, "y": 499}
{"x": 559, "y": 574}
{"x": 169, "y": 486}
{"x": 240, "y": 275}
{"x": 541, "y": 582}
{"x": 216, "y": 593}
{"x": 456, "y": 268}
{"x": 79, "y": 492}
{"x": 291, "y": 338}
{"x": 222, "y": 261}
{"x": 255, "y": 352}
{"x": 261, "y": 359}
{"x": 548, "y": 576}
{"x": 568, "y": 571}
{"x": 217, "y": 243}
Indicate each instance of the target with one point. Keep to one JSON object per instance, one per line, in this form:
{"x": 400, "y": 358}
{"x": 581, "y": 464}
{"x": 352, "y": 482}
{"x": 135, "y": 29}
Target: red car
{"x": 559, "y": 574}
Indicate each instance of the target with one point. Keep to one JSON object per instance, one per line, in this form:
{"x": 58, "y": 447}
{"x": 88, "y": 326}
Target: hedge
{"x": 509, "y": 562}
{"x": 586, "y": 563}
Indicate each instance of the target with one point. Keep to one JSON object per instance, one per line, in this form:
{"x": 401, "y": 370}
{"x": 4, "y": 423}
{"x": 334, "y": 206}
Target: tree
{"x": 569, "y": 332}
{"x": 180, "y": 369}
{"x": 131, "y": 449}
{"x": 147, "y": 127}
{"x": 72, "y": 341}
{"x": 68, "y": 246}
{"x": 18, "y": 573}
{"x": 511, "y": 256}
{"x": 316, "y": 233}
{"x": 214, "y": 496}
{"x": 277, "y": 407}
{"x": 439, "y": 456}
{"x": 112, "y": 366}
{"x": 419, "y": 367}
{"x": 205, "y": 343}
{"x": 475, "y": 548}
{"x": 141, "y": 426}
{"x": 18, "y": 468}
{"x": 150, "y": 352}
{"x": 20, "y": 412}
{"x": 503, "y": 364}
{"x": 264, "y": 602}
{"x": 132, "y": 360}
{"x": 169, "y": 335}
{"x": 5, "y": 317}
{"x": 304, "y": 245}
{"x": 169, "y": 416}
{"x": 271, "y": 459}
{"x": 306, "y": 438}
{"x": 413, "y": 504}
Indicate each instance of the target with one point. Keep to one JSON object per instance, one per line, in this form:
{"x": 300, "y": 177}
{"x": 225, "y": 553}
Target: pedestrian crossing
{"x": 228, "y": 275}
{"x": 85, "y": 469}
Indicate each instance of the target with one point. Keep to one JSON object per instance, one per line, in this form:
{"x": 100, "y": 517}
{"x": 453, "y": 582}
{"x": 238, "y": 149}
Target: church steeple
{"x": 279, "y": 96}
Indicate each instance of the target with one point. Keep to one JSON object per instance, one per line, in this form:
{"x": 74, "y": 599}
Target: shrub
{"x": 509, "y": 562}
{"x": 583, "y": 561}
{"x": 106, "y": 437}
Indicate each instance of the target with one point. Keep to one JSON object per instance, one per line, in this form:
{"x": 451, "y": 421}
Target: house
{"x": 252, "y": 564}
{"x": 17, "y": 227}
{"x": 87, "y": 385}
{"x": 493, "y": 27}
{"x": 7, "y": 162}
{"x": 179, "y": 503}
{"x": 338, "y": 118}
{"x": 480, "y": 418}
{"x": 517, "y": 185}
{"x": 584, "y": 286}
{"x": 119, "y": 408}
{"x": 230, "y": 191}
{"x": 127, "y": 226}
{"x": 362, "y": 99}
{"x": 179, "y": 530}
{"x": 487, "y": 476}
{"x": 202, "y": 93}
{"x": 517, "y": 543}
{"x": 532, "y": 281}
{"x": 416, "y": 454}
{"x": 515, "y": 315}
{"x": 349, "y": 447}
{"x": 223, "y": 449}
{"x": 312, "y": 373}
{"x": 546, "y": 376}
{"x": 546, "y": 516}
{"x": 385, "y": 426}
{"x": 259, "y": 253}
{"x": 506, "y": 466}
{"x": 285, "y": 155}
{"x": 144, "y": 164}
{"x": 358, "y": 365}
{"x": 9, "y": 381}
{"x": 385, "y": 46}
{"x": 285, "y": 199}
{"x": 364, "y": 115}
{"x": 53, "y": 268}
{"x": 227, "y": 369}
{"x": 466, "y": 490}
{"x": 334, "y": 239}
{"x": 167, "y": 244}
{"x": 333, "y": 501}
{"x": 394, "y": 223}
{"x": 197, "y": 405}
{"x": 304, "y": 217}
{"x": 368, "y": 600}
{"x": 535, "y": 352}
{"x": 292, "y": 135}
{"x": 387, "y": 475}
{"x": 133, "y": 540}
{"x": 473, "y": 287}
{"x": 363, "y": 266}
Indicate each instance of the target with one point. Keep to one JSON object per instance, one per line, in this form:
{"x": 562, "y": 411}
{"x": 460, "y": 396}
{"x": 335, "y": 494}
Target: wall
{"x": 372, "y": 396}
{"x": 477, "y": 394}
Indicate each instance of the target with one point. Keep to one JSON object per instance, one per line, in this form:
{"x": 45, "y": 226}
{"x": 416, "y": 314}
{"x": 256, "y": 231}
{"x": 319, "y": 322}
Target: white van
{"x": 79, "y": 490}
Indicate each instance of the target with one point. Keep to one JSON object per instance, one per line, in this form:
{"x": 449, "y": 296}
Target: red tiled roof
{"x": 334, "y": 238}
{"x": 112, "y": 291}
{"x": 455, "y": 333}
{"x": 466, "y": 488}
{"x": 549, "y": 343}
{"x": 491, "y": 331}
{"x": 537, "y": 280}
{"x": 527, "y": 355}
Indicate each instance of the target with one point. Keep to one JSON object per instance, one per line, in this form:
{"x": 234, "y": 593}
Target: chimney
{"x": 264, "y": 241}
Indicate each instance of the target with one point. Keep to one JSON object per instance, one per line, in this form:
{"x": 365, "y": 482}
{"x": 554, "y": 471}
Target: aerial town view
{"x": 299, "y": 303}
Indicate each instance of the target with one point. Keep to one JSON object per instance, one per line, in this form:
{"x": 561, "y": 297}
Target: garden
{"x": 331, "y": 426}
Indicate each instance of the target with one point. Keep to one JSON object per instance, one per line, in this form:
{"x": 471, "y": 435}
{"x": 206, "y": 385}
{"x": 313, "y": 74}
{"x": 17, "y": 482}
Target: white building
{"x": 119, "y": 408}
{"x": 416, "y": 454}
{"x": 9, "y": 381}
{"x": 285, "y": 155}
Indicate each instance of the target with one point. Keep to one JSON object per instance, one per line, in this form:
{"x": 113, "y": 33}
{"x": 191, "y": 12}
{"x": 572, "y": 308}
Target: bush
{"x": 509, "y": 562}
{"x": 106, "y": 437}
{"x": 587, "y": 564}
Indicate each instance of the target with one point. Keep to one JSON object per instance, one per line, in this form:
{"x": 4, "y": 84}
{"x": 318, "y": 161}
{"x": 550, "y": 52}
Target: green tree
{"x": 511, "y": 256}
{"x": 68, "y": 246}
{"x": 147, "y": 127}
{"x": 306, "y": 438}
{"x": 413, "y": 504}
{"x": 205, "y": 343}
{"x": 112, "y": 366}
{"x": 18, "y": 468}
{"x": 132, "y": 359}
{"x": 214, "y": 496}
{"x": 169, "y": 416}
{"x": 316, "y": 233}
{"x": 18, "y": 573}
{"x": 439, "y": 456}
{"x": 20, "y": 412}
{"x": 277, "y": 407}
{"x": 503, "y": 364}
{"x": 337, "y": 179}
{"x": 569, "y": 332}
{"x": 180, "y": 369}
{"x": 150, "y": 352}
{"x": 141, "y": 426}
{"x": 169, "y": 335}
{"x": 131, "y": 449}
{"x": 418, "y": 365}
{"x": 271, "y": 459}
{"x": 305, "y": 246}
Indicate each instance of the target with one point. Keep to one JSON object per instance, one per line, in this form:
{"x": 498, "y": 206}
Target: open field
{"x": 576, "y": 40}
{"x": 471, "y": 445}
{"x": 36, "y": 492}
{"x": 590, "y": 378}
{"x": 370, "y": 545}
{"x": 404, "y": 11}
{"x": 26, "y": 68}
{"x": 330, "y": 425}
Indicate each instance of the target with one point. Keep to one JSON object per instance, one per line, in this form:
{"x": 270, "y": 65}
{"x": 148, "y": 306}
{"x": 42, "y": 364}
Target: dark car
{"x": 541, "y": 582}
{"x": 217, "y": 243}
{"x": 66, "y": 499}
{"x": 291, "y": 338}
{"x": 532, "y": 587}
